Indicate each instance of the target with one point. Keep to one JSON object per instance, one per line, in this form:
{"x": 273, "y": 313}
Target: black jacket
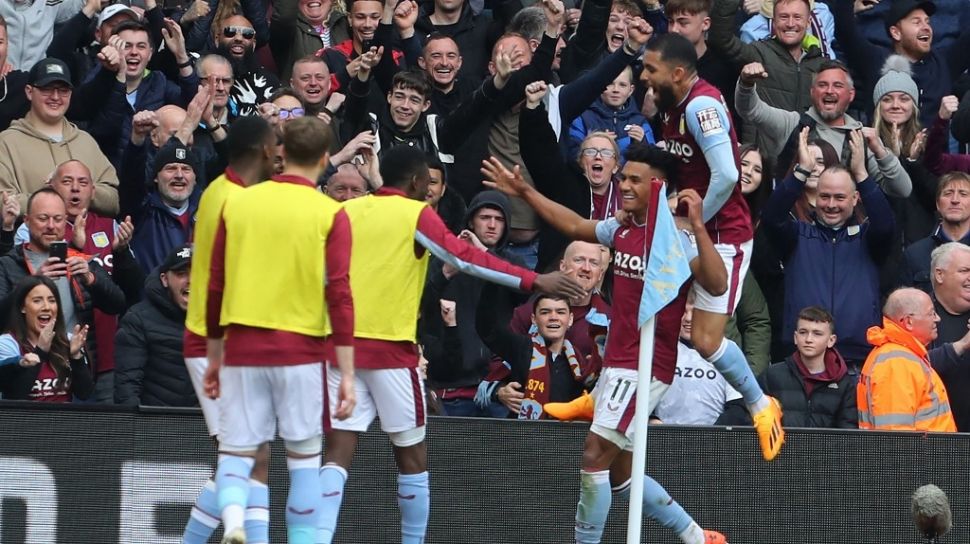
{"x": 830, "y": 403}
{"x": 953, "y": 369}
{"x": 452, "y": 130}
{"x": 104, "y": 294}
{"x": 16, "y": 382}
{"x": 471, "y": 33}
{"x": 555, "y": 178}
{"x": 451, "y": 209}
{"x": 443, "y": 344}
{"x": 149, "y": 368}
{"x": 492, "y": 323}
{"x": 915, "y": 268}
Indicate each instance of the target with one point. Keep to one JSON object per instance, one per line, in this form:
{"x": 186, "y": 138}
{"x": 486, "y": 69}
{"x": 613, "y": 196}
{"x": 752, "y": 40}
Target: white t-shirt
{"x": 698, "y": 392}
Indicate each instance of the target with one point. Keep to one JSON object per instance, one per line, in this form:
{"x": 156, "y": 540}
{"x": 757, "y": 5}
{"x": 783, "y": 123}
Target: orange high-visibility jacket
{"x": 898, "y": 389}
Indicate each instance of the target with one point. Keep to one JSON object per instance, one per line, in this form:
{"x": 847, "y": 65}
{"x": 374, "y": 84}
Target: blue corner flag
{"x": 667, "y": 266}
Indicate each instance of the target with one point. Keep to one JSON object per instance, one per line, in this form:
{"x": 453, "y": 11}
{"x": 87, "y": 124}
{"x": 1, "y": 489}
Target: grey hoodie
{"x": 30, "y": 27}
{"x": 28, "y": 158}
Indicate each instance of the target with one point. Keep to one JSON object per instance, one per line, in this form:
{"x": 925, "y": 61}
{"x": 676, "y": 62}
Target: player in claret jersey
{"x": 393, "y": 232}
{"x": 607, "y": 453}
{"x": 697, "y": 128}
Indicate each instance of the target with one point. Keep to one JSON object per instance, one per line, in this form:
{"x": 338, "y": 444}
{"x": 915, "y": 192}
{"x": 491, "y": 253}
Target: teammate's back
{"x": 279, "y": 298}
{"x": 384, "y": 262}
{"x": 276, "y": 237}
{"x": 203, "y": 237}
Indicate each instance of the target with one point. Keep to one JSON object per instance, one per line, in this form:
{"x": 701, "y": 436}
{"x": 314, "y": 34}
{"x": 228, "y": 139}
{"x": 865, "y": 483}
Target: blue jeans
{"x": 527, "y": 252}
{"x": 468, "y": 408}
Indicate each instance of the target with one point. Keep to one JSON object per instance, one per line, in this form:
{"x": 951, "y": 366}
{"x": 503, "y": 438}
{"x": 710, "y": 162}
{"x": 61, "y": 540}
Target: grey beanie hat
{"x": 896, "y": 78}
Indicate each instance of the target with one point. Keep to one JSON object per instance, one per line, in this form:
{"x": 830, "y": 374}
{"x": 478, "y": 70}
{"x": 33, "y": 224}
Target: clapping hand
{"x": 78, "y": 339}
{"x": 80, "y": 236}
{"x": 126, "y": 229}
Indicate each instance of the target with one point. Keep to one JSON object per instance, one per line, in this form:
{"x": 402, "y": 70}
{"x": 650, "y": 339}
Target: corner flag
{"x": 666, "y": 265}
{"x": 666, "y": 269}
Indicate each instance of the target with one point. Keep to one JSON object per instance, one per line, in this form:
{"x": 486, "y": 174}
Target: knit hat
{"x": 175, "y": 153}
{"x": 896, "y": 78}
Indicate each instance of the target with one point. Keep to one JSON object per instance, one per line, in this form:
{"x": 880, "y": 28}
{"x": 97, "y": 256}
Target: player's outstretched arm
{"x": 708, "y": 268}
{"x": 510, "y": 182}
{"x": 433, "y": 235}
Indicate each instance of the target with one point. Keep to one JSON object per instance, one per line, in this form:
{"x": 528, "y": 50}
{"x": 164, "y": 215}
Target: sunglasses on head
{"x": 231, "y": 31}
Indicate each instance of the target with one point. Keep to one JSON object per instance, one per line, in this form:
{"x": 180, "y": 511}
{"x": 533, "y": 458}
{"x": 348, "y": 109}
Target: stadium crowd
{"x": 853, "y": 115}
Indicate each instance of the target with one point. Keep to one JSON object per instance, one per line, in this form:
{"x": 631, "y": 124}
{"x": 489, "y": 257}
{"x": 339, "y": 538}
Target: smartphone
{"x": 59, "y": 250}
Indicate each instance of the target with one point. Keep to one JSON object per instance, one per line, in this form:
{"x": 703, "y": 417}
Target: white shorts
{"x": 615, "y": 402}
{"x": 736, "y": 259}
{"x": 395, "y": 395}
{"x": 254, "y": 398}
{"x": 210, "y": 407}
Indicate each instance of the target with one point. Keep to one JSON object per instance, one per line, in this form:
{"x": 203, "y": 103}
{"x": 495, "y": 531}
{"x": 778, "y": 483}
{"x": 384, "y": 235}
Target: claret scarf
{"x": 537, "y": 384}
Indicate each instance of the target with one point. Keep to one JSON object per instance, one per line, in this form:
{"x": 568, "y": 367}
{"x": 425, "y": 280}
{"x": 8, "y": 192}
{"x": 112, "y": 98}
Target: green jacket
{"x": 750, "y": 327}
{"x": 291, "y": 37}
{"x": 789, "y": 81}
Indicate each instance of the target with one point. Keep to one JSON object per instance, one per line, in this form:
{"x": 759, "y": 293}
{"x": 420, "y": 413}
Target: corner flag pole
{"x": 640, "y": 419}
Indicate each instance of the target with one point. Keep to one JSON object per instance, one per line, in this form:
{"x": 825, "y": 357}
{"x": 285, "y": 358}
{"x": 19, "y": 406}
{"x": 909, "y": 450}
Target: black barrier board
{"x": 105, "y": 477}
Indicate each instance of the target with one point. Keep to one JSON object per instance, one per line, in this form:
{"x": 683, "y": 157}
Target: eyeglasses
{"x": 606, "y": 153}
{"x": 225, "y": 81}
{"x": 291, "y": 113}
{"x": 47, "y": 91}
{"x": 231, "y": 31}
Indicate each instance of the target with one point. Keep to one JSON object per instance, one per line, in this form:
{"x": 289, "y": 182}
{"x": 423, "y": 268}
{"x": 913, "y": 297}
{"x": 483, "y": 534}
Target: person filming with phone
{"x": 82, "y": 284}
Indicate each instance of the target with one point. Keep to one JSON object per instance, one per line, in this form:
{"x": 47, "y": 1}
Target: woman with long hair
{"x": 48, "y": 367}
{"x": 752, "y": 175}
{"x": 896, "y": 122}
{"x": 896, "y": 118}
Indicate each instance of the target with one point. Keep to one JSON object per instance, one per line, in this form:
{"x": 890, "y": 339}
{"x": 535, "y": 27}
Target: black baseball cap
{"x": 178, "y": 259}
{"x": 901, "y": 8}
{"x": 49, "y": 70}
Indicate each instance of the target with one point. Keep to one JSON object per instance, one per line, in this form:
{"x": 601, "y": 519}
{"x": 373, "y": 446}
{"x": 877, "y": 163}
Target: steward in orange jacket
{"x": 898, "y": 389}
